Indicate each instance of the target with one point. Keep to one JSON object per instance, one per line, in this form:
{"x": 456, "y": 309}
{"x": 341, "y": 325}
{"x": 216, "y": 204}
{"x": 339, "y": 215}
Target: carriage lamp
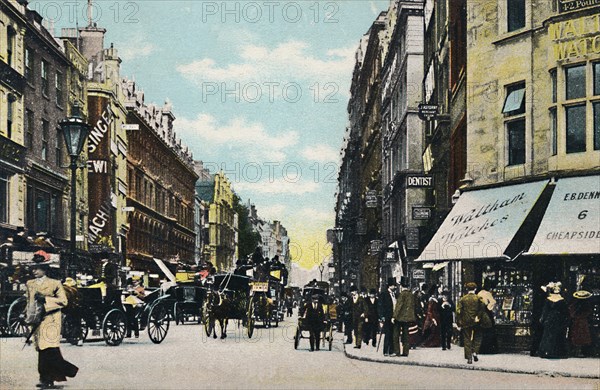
{"x": 75, "y": 131}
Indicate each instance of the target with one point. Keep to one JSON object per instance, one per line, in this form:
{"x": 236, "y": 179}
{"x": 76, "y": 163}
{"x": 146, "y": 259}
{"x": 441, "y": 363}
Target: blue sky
{"x": 259, "y": 89}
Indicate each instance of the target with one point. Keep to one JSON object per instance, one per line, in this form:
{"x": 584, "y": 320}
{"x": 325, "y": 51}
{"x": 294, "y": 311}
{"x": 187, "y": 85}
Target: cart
{"x": 329, "y": 309}
{"x": 228, "y": 297}
{"x": 186, "y": 302}
{"x": 105, "y": 315}
{"x": 267, "y": 302}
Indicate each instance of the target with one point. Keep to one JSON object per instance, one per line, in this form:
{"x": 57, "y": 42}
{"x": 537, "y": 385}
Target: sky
{"x": 259, "y": 90}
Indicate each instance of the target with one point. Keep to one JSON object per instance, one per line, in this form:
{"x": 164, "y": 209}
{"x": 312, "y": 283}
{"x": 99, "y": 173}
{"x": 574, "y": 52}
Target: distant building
{"x": 222, "y": 245}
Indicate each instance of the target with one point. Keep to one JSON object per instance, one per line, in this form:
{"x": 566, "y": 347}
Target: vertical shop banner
{"x": 99, "y": 169}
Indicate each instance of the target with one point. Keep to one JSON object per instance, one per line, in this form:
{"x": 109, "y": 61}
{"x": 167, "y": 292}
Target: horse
{"x": 220, "y": 307}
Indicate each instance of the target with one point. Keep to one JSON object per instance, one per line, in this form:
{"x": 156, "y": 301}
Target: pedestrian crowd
{"x": 397, "y": 320}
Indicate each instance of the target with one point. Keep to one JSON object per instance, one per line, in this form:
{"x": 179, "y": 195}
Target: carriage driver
{"x": 313, "y": 320}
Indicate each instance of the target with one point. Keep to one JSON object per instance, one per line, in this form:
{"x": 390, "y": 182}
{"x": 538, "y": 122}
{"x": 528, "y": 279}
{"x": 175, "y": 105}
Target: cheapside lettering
{"x": 585, "y": 235}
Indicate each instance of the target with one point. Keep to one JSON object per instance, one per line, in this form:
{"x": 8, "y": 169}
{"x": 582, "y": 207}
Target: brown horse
{"x": 219, "y": 309}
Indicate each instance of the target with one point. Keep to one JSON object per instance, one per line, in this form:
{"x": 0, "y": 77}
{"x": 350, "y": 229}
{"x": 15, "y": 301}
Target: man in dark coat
{"x": 313, "y": 319}
{"x": 346, "y": 317}
{"x": 387, "y": 300}
{"x": 468, "y": 313}
{"x": 372, "y": 320}
{"x": 404, "y": 314}
{"x": 359, "y": 314}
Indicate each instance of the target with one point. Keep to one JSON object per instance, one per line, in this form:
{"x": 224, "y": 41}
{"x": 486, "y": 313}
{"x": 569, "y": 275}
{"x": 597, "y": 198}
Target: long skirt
{"x": 53, "y": 367}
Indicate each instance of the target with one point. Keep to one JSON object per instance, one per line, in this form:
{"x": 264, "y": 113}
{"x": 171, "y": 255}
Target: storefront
{"x": 514, "y": 239}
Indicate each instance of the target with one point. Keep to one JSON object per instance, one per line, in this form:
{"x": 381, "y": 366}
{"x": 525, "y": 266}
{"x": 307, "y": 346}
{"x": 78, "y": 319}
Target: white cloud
{"x": 291, "y": 61}
{"x": 137, "y": 47}
{"x": 250, "y": 140}
{"x": 320, "y": 153}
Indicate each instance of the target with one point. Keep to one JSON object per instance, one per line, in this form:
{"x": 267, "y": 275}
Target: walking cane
{"x": 380, "y": 331}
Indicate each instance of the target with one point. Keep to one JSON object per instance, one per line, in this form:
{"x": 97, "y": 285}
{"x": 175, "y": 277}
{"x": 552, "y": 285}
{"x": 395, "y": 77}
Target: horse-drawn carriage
{"x": 267, "y": 301}
{"x": 104, "y": 312}
{"x": 228, "y": 297}
{"x": 320, "y": 289}
{"x": 185, "y": 302}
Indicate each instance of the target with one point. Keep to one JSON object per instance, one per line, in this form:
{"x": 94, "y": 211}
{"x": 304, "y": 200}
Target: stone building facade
{"x": 160, "y": 183}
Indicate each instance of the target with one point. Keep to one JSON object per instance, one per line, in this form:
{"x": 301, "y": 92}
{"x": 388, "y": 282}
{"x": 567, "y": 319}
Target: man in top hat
{"x": 469, "y": 310}
{"x": 345, "y": 311}
{"x": 387, "y": 301}
{"x": 314, "y": 318}
{"x": 371, "y": 321}
{"x": 404, "y": 314}
{"x": 46, "y": 337}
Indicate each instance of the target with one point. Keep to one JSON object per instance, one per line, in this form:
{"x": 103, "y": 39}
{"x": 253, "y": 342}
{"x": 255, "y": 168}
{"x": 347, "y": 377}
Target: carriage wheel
{"x": 113, "y": 327}
{"x": 330, "y": 335}
{"x": 178, "y": 314}
{"x": 297, "y": 338}
{"x": 16, "y": 317}
{"x": 158, "y": 323}
{"x": 209, "y": 322}
{"x": 250, "y": 322}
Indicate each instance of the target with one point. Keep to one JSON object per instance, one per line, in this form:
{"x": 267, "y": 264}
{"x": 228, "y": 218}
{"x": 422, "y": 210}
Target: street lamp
{"x": 321, "y": 268}
{"x": 75, "y": 130}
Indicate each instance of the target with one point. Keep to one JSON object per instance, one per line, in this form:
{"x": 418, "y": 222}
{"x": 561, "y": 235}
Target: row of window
{"x": 579, "y": 102}
{"x": 45, "y": 138}
{"x": 44, "y": 76}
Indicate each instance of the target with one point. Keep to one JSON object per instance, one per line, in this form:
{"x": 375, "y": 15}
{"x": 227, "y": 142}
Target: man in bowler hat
{"x": 314, "y": 318}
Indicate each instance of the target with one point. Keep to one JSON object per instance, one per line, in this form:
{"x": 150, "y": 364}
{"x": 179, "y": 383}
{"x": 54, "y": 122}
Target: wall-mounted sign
{"x": 130, "y": 127}
{"x": 572, "y": 5}
{"x": 412, "y": 238}
{"x": 371, "y": 199}
{"x": 419, "y": 181}
{"x": 428, "y": 112}
{"x": 418, "y": 274}
{"x": 421, "y": 213}
{"x": 575, "y": 38}
{"x": 391, "y": 255}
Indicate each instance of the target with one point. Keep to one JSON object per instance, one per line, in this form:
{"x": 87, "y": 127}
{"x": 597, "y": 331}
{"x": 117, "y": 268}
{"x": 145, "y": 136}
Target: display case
{"x": 513, "y": 292}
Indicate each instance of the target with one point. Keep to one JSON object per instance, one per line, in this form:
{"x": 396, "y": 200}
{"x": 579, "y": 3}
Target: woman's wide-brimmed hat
{"x": 41, "y": 259}
{"x": 582, "y": 294}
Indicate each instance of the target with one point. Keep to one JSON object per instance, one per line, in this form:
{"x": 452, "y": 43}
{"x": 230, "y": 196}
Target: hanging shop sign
{"x": 418, "y": 274}
{"x": 419, "y": 181}
{"x": 421, "y": 213}
{"x": 412, "y": 238}
{"x": 428, "y": 112}
{"x": 371, "y": 199}
{"x": 376, "y": 246}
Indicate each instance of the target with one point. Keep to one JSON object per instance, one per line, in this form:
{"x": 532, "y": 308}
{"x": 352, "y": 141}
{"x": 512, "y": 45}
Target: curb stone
{"x": 471, "y": 367}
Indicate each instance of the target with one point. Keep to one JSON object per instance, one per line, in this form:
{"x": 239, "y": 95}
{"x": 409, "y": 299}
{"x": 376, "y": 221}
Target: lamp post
{"x": 321, "y": 268}
{"x": 339, "y": 235}
{"x": 75, "y": 131}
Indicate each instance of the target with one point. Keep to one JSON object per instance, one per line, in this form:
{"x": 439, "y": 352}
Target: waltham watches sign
{"x": 575, "y": 38}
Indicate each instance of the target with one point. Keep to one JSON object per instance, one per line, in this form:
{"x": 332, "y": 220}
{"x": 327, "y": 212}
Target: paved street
{"x": 188, "y": 360}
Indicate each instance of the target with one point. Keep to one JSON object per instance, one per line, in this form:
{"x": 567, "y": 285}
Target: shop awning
{"x": 571, "y": 224}
{"x": 484, "y": 223}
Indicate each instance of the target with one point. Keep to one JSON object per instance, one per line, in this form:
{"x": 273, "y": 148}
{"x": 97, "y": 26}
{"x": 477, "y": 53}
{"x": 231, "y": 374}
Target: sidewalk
{"x": 454, "y": 358}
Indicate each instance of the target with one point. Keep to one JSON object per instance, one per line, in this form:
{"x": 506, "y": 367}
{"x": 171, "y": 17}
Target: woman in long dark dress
{"x": 554, "y": 322}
